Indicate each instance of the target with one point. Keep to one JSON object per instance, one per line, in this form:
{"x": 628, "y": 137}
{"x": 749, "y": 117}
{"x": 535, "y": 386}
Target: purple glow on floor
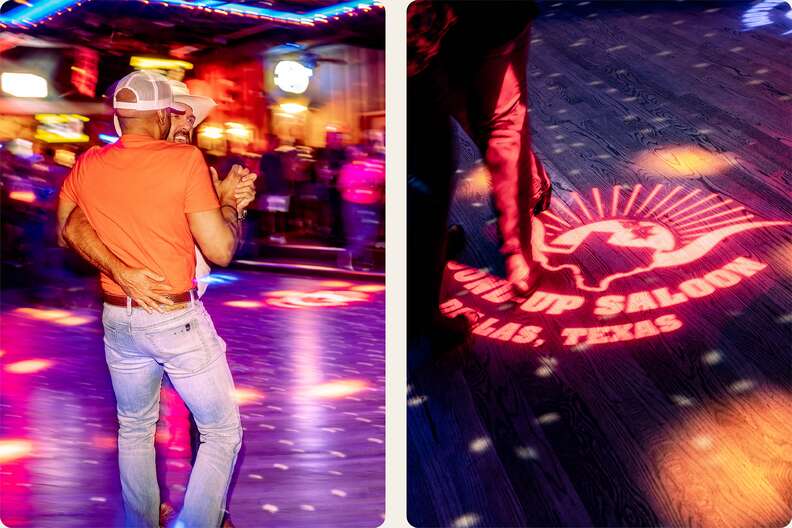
{"x": 310, "y": 383}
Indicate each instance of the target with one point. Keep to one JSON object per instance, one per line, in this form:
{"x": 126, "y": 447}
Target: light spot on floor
{"x": 526, "y": 453}
{"x": 548, "y": 418}
{"x": 416, "y": 401}
{"x": 713, "y": 357}
{"x": 702, "y": 442}
{"x": 740, "y": 386}
{"x": 481, "y": 444}
{"x": 467, "y": 520}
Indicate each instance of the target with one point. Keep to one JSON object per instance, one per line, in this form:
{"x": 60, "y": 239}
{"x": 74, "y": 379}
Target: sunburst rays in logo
{"x": 675, "y": 227}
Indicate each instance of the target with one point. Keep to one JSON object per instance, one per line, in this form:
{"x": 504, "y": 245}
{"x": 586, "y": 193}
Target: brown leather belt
{"x": 179, "y": 299}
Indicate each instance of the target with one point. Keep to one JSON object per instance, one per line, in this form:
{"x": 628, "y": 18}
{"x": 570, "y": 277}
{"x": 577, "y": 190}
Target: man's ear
{"x": 164, "y": 121}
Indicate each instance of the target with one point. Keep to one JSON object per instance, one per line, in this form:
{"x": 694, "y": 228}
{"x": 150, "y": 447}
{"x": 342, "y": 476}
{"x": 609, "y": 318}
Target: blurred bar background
{"x": 60, "y": 59}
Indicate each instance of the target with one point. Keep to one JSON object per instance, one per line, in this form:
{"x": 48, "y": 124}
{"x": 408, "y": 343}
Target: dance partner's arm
{"x": 142, "y": 285}
{"x": 218, "y": 231}
{"x": 74, "y": 229}
{"x": 65, "y": 208}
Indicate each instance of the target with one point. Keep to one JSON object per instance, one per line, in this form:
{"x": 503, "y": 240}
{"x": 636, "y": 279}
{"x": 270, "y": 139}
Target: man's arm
{"x": 65, "y": 208}
{"x": 80, "y": 236}
{"x": 216, "y": 232}
{"x": 141, "y": 285}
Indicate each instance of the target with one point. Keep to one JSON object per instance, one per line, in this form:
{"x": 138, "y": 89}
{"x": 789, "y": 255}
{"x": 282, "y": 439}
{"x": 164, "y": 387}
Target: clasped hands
{"x": 237, "y": 189}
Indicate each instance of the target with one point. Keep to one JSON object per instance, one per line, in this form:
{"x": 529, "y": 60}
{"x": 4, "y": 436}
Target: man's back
{"x": 136, "y": 194}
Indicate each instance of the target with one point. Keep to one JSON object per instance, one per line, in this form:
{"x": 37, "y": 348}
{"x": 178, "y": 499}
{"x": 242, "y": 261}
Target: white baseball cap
{"x": 152, "y": 92}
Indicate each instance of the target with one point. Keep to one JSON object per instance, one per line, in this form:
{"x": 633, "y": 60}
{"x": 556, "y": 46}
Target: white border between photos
{"x": 396, "y": 264}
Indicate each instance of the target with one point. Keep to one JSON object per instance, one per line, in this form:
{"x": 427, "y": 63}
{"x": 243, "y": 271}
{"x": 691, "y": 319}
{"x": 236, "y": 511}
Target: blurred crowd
{"x": 334, "y": 194}
{"x": 331, "y": 196}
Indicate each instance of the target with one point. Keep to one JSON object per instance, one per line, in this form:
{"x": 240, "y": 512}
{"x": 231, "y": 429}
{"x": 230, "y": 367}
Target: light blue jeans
{"x": 139, "y": 346}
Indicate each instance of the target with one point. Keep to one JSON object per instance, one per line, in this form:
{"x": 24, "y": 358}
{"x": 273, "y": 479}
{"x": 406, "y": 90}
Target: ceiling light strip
{"x": 33, "y": 14}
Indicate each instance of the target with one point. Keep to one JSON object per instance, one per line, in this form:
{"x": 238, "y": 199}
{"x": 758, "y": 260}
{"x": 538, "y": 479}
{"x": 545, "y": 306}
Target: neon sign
{"x": 154, "y": 63}
{"x": 85, "y": 71}
{"x": 763, "y": 14}
{"x": 613, "y": 255}
{"x": 61, "y": 128}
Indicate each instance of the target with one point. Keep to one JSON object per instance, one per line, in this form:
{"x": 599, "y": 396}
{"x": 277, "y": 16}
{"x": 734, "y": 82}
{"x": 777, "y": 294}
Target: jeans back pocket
{"x": 180, "y": 347}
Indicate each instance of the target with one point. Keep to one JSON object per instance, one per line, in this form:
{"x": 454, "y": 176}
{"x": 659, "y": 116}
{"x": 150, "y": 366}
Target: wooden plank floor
{"x": 661, "y": 396}
{"x": 309, "y": 371}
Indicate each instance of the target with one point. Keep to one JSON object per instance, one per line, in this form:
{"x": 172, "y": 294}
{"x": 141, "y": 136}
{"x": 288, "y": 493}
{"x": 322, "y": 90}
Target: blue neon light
{"x": 218, "y": 278}
{"x": 31, "y": 14}
{"x": 340, "y": 9}
{"x": 759, "y": 14}
{"x": 107, "y": 138}
{"x": 35, "y": 12}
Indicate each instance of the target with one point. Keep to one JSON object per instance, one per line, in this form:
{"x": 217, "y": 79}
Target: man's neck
{"x": 135, "y": 131}
{"x": 140, "y": 127}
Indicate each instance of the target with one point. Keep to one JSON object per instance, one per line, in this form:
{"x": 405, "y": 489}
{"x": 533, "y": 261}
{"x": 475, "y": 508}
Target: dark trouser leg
{"x": 430, "y": 163}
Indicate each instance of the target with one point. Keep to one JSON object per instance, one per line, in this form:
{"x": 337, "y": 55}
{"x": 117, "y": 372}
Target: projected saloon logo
{"x": 610, "y": 256}
{"x": 342, "y": 294}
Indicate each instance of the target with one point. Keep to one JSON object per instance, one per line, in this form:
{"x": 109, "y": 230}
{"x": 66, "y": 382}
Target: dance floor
{"x": 648, "y": 380}
{"x": 308, "y": 359}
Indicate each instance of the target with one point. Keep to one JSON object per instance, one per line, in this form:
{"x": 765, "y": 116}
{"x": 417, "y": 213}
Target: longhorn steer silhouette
{"x": 625, "y": 233}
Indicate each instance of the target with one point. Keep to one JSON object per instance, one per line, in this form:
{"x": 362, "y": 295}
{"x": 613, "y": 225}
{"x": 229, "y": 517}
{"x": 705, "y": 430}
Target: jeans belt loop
{"x": 129, "y": 306}
{"x": 192, "y": 298}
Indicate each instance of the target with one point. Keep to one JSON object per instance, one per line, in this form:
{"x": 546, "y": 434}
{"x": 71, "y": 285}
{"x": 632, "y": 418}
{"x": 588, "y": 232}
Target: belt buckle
{"x": 175, "y": 306}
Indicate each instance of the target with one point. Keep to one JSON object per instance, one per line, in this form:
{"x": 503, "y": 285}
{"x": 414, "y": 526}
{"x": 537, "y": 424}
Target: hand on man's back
{"x": 145, "y": 287}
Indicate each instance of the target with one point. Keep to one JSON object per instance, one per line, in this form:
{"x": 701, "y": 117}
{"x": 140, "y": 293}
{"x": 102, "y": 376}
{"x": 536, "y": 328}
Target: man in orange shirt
{"x": 149, "y": 202}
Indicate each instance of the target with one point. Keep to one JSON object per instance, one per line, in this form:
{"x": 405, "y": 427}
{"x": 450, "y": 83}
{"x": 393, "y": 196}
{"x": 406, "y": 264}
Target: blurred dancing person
{"x": 467, "y": 60}
{"x": 361, "y": 183}
{"x": 273, "y": 193}
{"x": 159, "y": 200}
{"x": 329, "y": 161}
